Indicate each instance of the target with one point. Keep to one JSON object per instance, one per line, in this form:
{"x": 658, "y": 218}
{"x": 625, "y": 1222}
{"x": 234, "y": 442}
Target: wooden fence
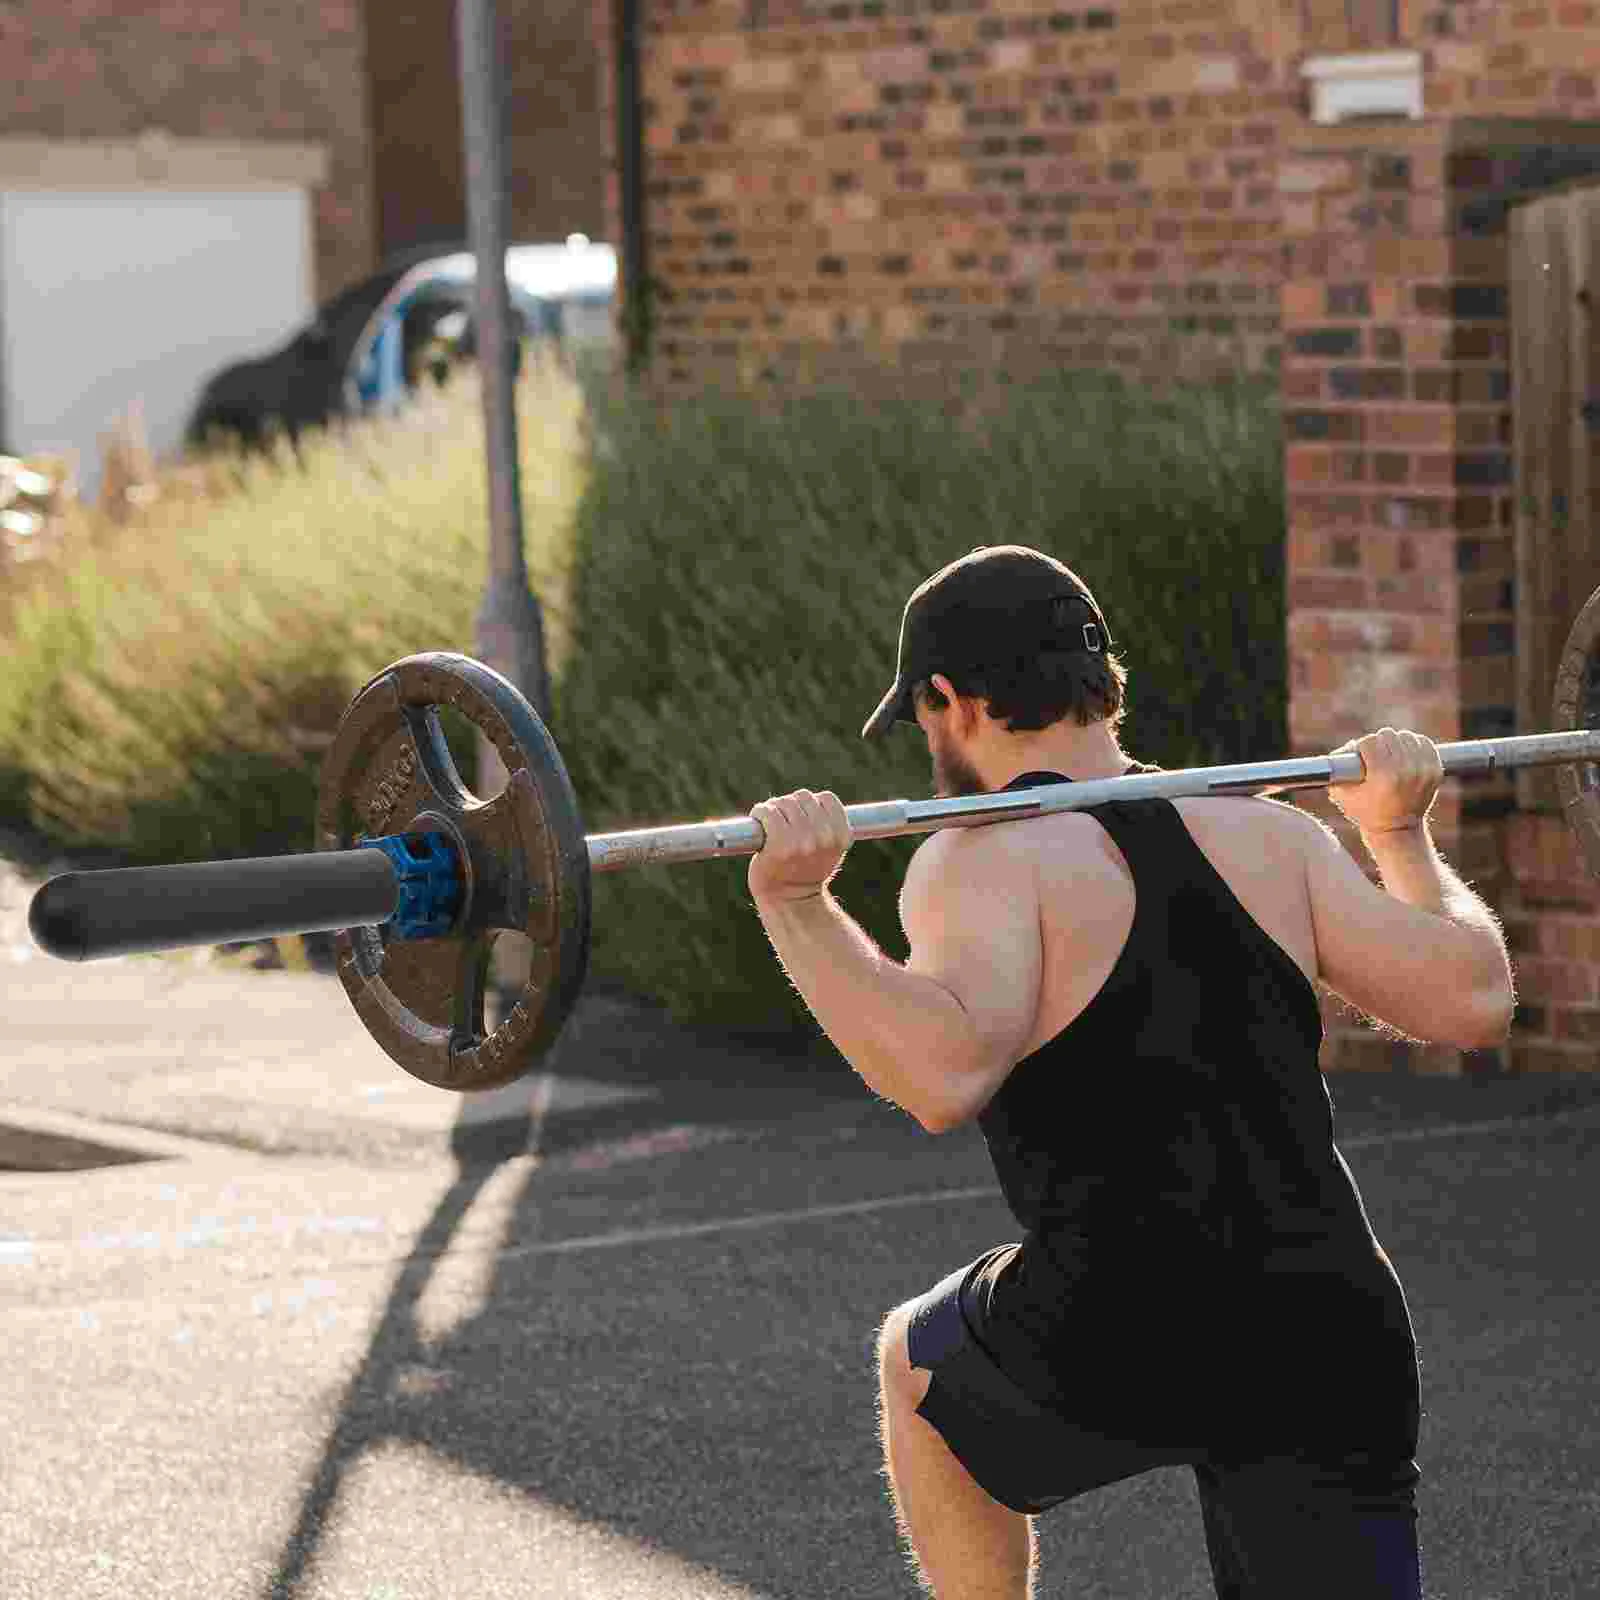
{"x": 1555, "y": 294}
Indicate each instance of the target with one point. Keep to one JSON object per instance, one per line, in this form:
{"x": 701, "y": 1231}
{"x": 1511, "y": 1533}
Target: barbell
{"x": 419, "y": 877}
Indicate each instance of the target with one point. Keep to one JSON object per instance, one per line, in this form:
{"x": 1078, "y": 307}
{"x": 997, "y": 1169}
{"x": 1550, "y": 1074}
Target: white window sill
{"x": 1365, "y": 84}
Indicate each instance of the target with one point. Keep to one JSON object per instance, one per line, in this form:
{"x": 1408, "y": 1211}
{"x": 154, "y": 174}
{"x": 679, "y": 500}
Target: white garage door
{"x": 136, "y": 296}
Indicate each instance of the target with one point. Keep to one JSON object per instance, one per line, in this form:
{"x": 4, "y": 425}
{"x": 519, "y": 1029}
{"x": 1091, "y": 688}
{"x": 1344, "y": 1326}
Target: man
{"x": 1123, "y": 998}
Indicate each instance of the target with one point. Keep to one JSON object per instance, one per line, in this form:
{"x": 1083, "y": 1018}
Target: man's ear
{"x": 965, "y": 706}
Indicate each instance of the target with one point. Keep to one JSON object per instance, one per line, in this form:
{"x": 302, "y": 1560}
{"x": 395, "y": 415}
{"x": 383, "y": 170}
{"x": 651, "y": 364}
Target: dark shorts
{"x": 1311, "y": 1523}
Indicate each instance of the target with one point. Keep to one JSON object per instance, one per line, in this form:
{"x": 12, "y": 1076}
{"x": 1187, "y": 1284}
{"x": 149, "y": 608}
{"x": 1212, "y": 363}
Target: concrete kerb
{"x": 89, "y": 1143}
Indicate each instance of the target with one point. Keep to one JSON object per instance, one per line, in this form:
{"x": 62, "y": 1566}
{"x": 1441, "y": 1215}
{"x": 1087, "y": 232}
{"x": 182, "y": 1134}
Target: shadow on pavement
{"x": 713, "y": 1395}
{"x": 576, "y": 1380}
{"x": 363, "y": 1417}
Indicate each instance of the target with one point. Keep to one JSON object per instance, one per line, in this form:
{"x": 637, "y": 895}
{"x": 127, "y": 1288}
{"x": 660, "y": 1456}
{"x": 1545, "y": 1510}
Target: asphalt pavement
{"x": 285, "y": 1323}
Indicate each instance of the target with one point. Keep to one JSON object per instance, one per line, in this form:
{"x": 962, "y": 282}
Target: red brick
{"x": 1579, "y": 1024}
{"x": 1316, "y": 177}
{"x": 1563, "y": 892}
{"x": 1308, "y": 466}
{"x": 1302, "y": 302}
{"x": 211, "y": 69}
{"x": 1304, "y": 383}
{"x": 1541, "y": 1057}
{"x": 1327, "y": 593}
{"x": 1327, "y": 510}
{"x": 1348, "y": 1050}
{"x": 1413, "y": 258}
{"x": 1412, "y": 427}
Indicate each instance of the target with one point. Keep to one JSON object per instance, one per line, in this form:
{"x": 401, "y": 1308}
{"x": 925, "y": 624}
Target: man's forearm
{"x": 905, "y": 1034}
{"x": 1412, "y": 870}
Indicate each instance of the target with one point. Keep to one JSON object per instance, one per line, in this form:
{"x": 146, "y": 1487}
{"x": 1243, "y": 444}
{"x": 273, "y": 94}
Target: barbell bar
{"x": 413, "y": 883}
{"x": 889, "y": 819}
{"x": 418, "y": 877}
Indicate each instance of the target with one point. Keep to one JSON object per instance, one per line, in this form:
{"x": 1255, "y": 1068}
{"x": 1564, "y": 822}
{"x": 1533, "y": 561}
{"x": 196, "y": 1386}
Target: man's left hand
{"x": 807, "y": 837}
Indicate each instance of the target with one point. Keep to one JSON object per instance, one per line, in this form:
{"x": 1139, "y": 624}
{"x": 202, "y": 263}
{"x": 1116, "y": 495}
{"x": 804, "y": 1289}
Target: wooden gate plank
{"x": 1555, "y": 294}
{"x": 1535, "y": 246}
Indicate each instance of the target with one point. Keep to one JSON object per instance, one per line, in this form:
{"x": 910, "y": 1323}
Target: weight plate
{"x": 1577, "y": 706}
{"x": 389, "y": 770}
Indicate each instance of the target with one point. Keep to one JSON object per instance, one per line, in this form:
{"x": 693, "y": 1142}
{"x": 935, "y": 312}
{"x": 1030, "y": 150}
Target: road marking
{"x": 760, "y": 1219}
{"x": 668, "y": 1232}
{"x": 1451, "y": 1130}
{"x": 27, "y": 1251}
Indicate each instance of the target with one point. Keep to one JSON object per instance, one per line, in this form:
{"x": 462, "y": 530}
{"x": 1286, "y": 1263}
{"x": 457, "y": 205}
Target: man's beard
{"x": 952, "y": 776}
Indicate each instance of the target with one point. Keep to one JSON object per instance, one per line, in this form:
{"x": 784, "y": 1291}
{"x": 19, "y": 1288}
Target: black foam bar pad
{"x": 86, "y": 916}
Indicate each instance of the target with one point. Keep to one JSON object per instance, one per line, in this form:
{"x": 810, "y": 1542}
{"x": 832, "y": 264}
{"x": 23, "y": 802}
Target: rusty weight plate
{"x": 389, "y": 771}
{"x": 1577, "y": 705}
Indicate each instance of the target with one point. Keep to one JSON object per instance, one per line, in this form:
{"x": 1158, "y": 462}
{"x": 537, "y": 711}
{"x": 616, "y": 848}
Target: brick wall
{"x": 555, "y": 147}
{"x": 1024, "y": 182}
{"x": 1139, "y": 185}
{"x": 1508, "y": 57}
{"x": 1397, "y": 389}
{"x": 1369, "y": 443}
{"x": 212, "y": 69}
{"x": 1516, "y": 60}
{"x": 830, "y": 184}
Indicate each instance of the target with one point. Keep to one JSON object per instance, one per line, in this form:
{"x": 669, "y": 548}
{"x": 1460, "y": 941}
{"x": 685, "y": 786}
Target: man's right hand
{"x": 1403, "y": 774}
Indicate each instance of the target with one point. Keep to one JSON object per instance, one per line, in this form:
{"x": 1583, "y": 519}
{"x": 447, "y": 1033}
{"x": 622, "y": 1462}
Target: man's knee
{"x": 899, "y": 1378}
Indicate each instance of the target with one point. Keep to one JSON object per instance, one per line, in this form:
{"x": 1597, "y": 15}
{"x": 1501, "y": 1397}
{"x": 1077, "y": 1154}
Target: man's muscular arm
{"x": 937, "y": 1035}
{"x": 1424, "y": 955}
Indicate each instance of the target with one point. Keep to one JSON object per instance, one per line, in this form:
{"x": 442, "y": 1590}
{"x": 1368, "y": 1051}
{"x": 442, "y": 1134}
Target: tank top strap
{"x": 1154, "y": 842}
{"x": 1166, "y": 860}
{"x": 1148, "y": 832}
{"x": 1159, "y": 849}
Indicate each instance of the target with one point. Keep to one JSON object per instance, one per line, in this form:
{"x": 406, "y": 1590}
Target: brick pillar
{"x": 1546, "y": 898}
{"x": 1396, "y": 385}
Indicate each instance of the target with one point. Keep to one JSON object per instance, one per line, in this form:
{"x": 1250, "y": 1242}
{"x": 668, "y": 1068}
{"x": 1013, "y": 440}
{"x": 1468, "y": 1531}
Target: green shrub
{"x": 168, "y": 689}
{"x": 737, "y": 593}
{"x": 722, "y": 589}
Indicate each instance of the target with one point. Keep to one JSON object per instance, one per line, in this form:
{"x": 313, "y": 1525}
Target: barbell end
{"x": 432, "y": 885}
{"x": 91, "y": 916}
{"x": 58, "y": 919}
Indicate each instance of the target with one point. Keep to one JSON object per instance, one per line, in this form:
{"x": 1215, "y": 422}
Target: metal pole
{"x": 510, "y": 625}
{"x": 638, "y": 303}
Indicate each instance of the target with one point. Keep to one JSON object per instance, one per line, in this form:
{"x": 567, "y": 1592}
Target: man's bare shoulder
{"x": 1260, "y": 823}
{"x": 1277, "y": 824}
{"x": 972, "y": 854}
{"x": 1292, "y": 823}
{"x": 1001, "y": 851}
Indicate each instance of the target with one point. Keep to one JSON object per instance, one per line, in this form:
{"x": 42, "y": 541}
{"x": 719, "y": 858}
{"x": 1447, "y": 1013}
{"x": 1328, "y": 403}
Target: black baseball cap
{"x": 1000, "y": 604}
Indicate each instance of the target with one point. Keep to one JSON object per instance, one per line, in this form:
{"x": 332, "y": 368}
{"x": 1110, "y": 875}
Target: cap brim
{"x": 893, "y": 708}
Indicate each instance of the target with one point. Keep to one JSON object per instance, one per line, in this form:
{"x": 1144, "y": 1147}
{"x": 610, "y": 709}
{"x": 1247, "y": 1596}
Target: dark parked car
{"x": 370, "y": 346}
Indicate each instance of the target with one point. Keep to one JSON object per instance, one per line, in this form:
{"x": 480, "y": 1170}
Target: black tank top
{"x": 1173, "y": 1146}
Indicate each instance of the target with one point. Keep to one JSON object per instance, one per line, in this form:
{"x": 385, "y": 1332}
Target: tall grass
{"x": 722, "y": 582}
{"x": 737, "y": 595}
{"x": 169, "y": 684}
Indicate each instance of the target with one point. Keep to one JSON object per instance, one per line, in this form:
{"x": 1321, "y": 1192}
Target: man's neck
{"x": 1077, "y": 753}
